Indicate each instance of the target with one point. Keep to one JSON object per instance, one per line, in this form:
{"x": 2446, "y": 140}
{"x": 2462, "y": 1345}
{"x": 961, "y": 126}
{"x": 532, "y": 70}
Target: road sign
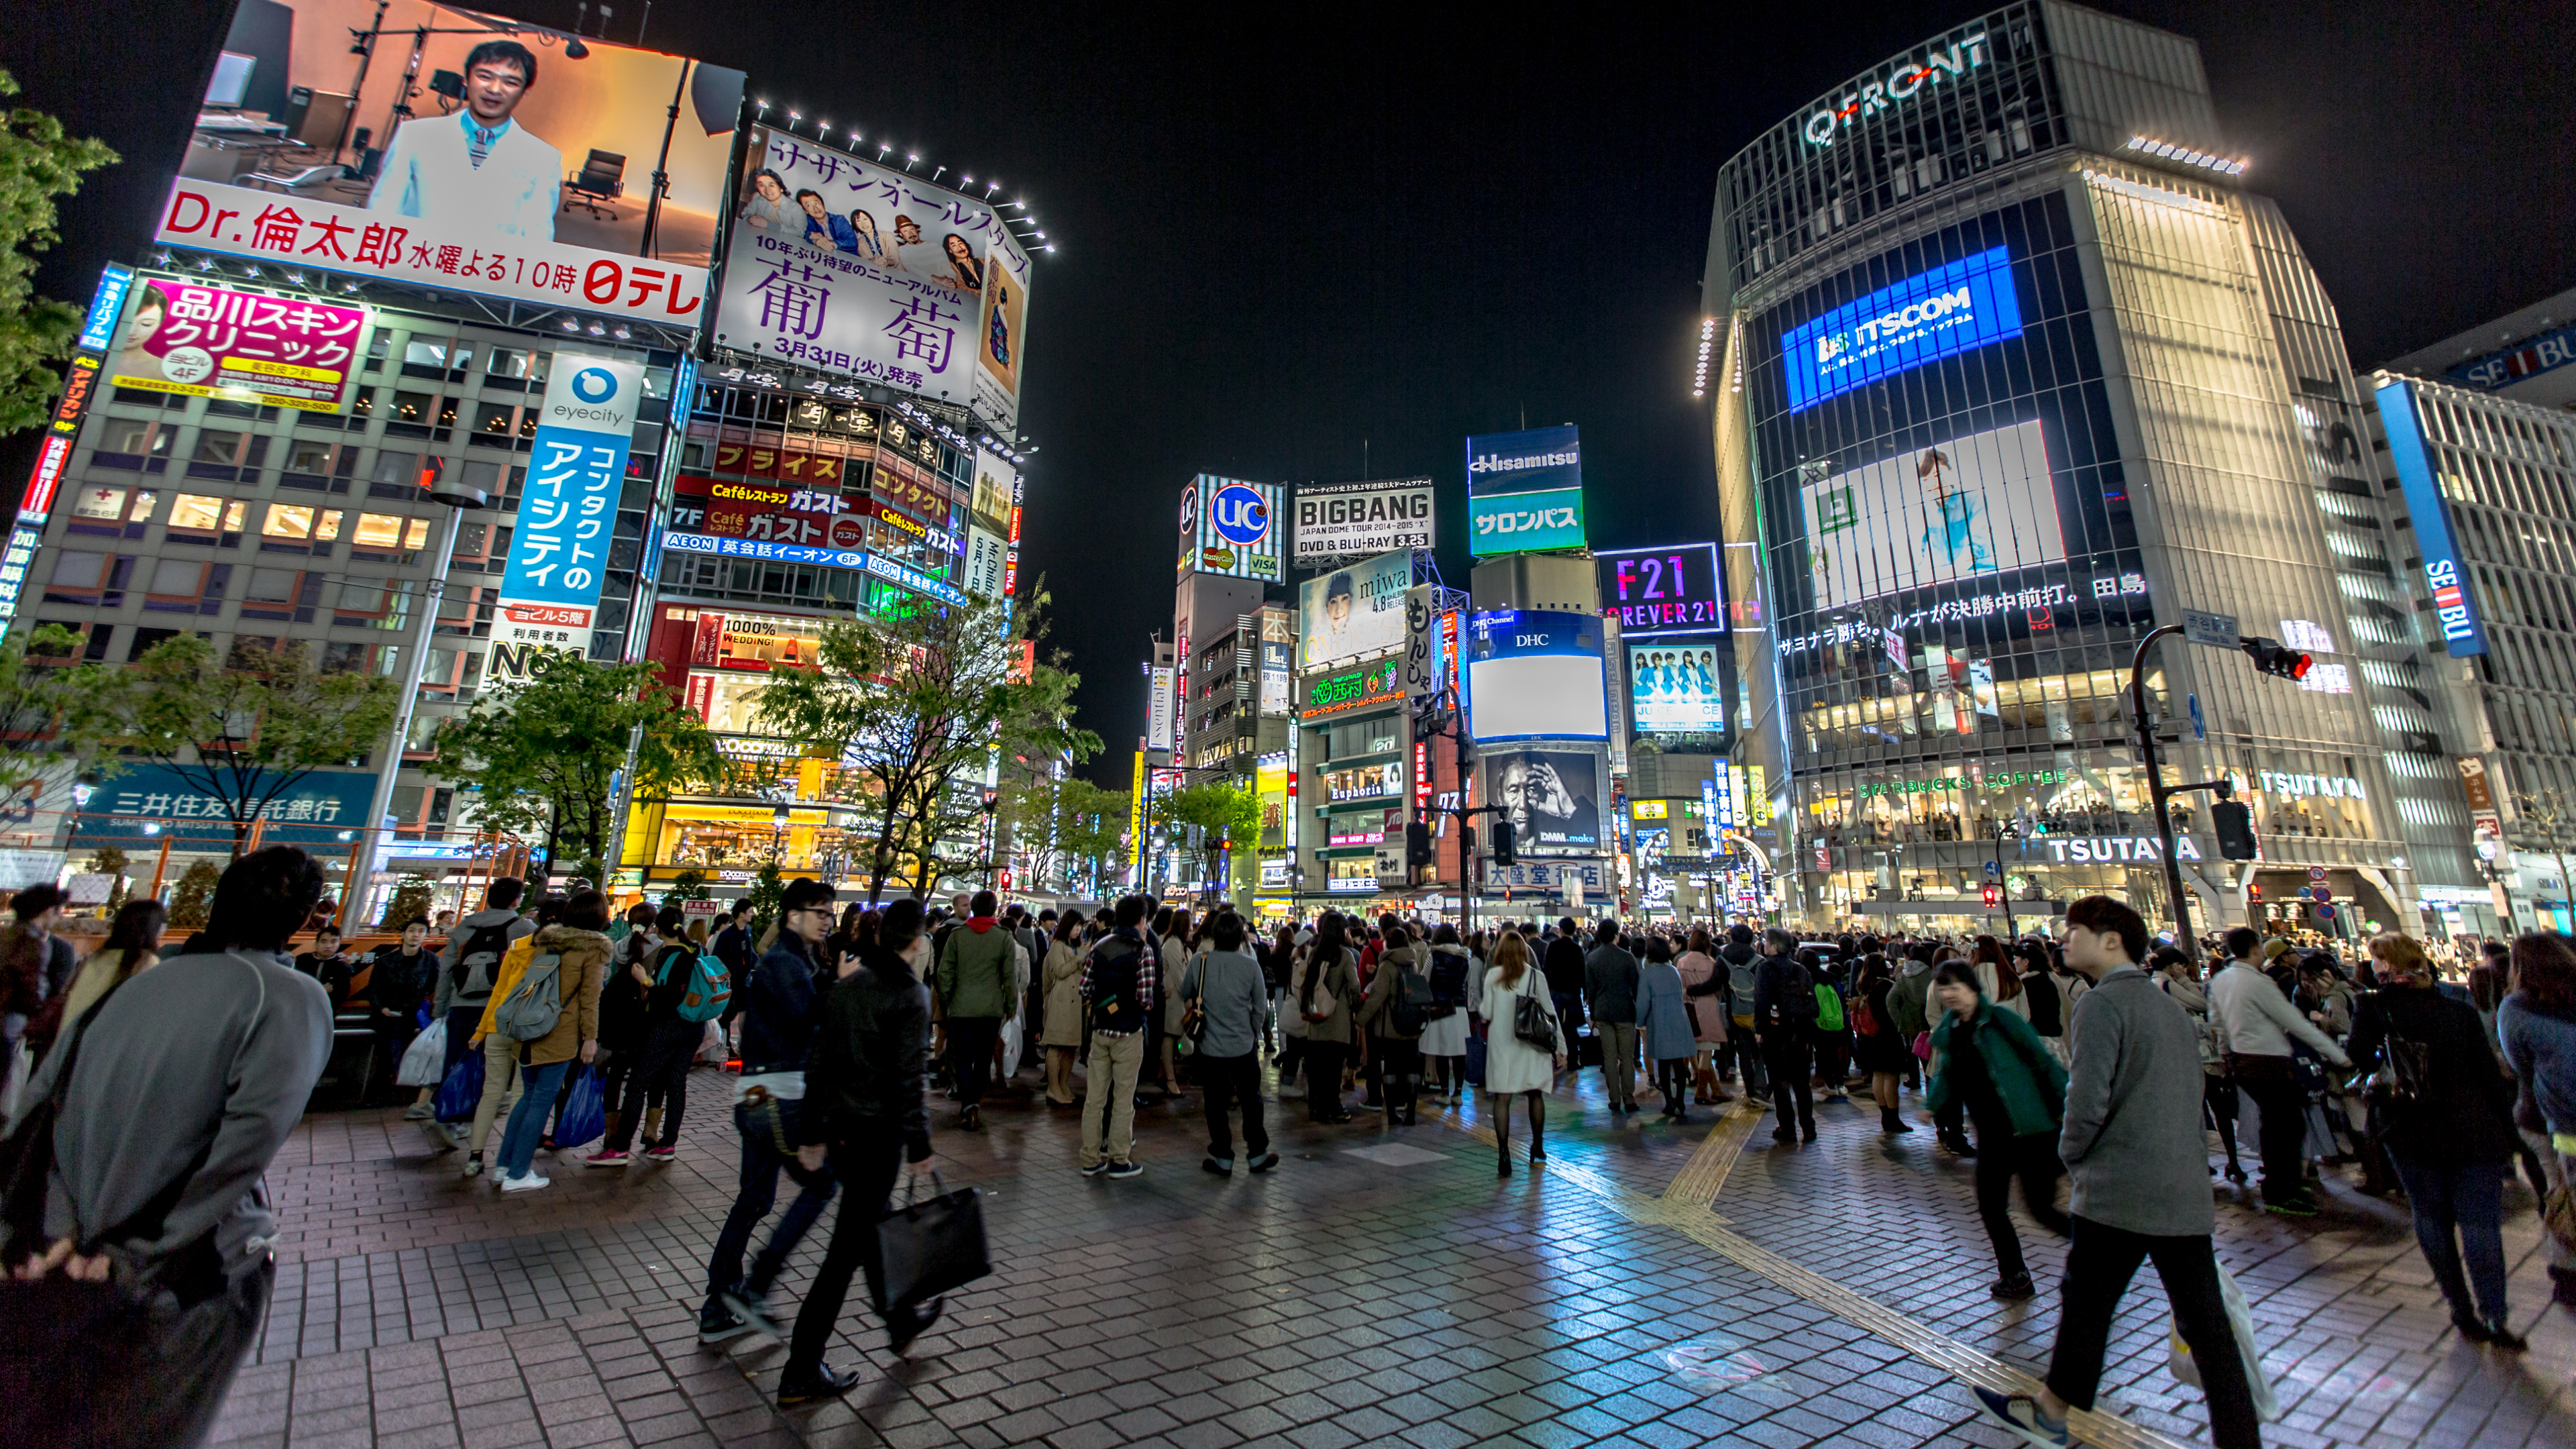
{"x": 2325, "y": 913}
{"x": 2199, "y": 726}
{"x": 2316, "y": 872}
{"x": 2324, "y": 895}
{"x": 1993, "y": 871}
{"x": 2307, "y": 893}
{"x": 2218, "y": 631}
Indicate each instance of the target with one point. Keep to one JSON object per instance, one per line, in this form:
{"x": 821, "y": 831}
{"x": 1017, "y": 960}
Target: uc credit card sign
{"x": 559, "y": 540}
{"x": 1928, "y": 316}
{"x": 1525, "y": 522}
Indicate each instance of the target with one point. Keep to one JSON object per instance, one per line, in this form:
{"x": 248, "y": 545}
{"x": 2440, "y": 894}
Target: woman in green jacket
{"x": 1995, "y": 1065}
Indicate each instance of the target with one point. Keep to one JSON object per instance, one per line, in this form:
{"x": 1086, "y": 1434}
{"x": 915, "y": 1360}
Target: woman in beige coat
{"x": 1061, "y": 1032}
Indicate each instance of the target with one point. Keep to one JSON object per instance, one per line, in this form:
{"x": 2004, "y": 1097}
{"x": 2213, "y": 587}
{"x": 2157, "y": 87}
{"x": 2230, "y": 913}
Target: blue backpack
{"x": 710, "y": 984}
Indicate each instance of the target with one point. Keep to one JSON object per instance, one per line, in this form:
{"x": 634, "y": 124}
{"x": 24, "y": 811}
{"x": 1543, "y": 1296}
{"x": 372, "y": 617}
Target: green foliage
{"x": 1072, "y": 831}
{"x": 246, "y": 731}
{"x": 37, "y": 163}
{"x": 918, "y": 704}
{"x": 540, "y": 757}
{"x": 195, "y": 891}
{"x": 1223, "y": 812}
{"x": 768, "y": 887}
{"x": 688, "y": 885}
{"x": 57, "y": 720}
{"x": 411, "y": 897}
{"x": 107, "y": 860}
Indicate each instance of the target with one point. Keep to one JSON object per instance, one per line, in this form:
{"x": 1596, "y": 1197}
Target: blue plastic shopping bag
{"x": 585, "y": 1110}
{"x": 463, "y": 1089}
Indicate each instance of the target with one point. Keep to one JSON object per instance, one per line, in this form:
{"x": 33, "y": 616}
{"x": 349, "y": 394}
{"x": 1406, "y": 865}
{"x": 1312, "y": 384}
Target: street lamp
{"x": 458, "y": 500}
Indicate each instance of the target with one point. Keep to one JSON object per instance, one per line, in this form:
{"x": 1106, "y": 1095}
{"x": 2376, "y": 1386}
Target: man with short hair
{"x": 35, "y": 964}
{"x": 477, "y": 168}
{"x": 2134, "y": 1152}
{"x": 473, "y": 963}
{"x": 1610, "y": 990}
{"x": 398, "y": 976}
{"x": 1119, "y": 995}
{"x": 1561, "y": 962}
{"x": 1739, "y": 962}
{"x": 2256, "y": 1025}
{"x": 1784, "y": 1017}
{"x": 975, "y": 986}
{"x": 328, "y": 964}
{"x": 170, "y": 1097}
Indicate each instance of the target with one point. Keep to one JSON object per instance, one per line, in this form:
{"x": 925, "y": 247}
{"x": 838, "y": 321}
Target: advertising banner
{"x": 1354, "y": 688}
{"x": 559, "y": 537}
{"x": 1003, "y": 336}
{"x": 985, "y": 554}
{"x": 1364, "y": 782}
{"x": 858, "y": 269}
{"x": 1159, "y": 710}
{"x": 1353, "y": 612}
{"x": 1350, "y": 520}
{"x": 1541, "y": 460}
{"x": 1551, "y": 795}
{"x": 1670, "y": 590}
{"x": 1270, "y": 787}
{"x": 754, "y": 641}
{"x": 1278, "y": 659}
{"x": 1232, "y": 528}
{"x": 766, "y": 513}
{"x": 2455, "y": 606}
{"x": 1533, "y": 674}
{"x": 1425, "y": 673}
{"x": 1978, "y": 505}
{"x": 996, "y": 484}
{"x": 204, "y": 341}
{"x": 1673, "y": 690}
{"x": 54, "y": 452}
{"x": 1525, "y": 522}
{"x": 1931, "y": 315}
{"x": 311, "y": 811}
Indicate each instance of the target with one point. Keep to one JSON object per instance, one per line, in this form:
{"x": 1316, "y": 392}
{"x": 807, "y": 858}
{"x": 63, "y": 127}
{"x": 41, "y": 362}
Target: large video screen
{"x": 1551, "y": 797}
{"x": 1673, "y": 689}
{"x": 1978, "y": 505}
{"x": 1931, "y": 315}
{"x": 1535, "y": 675}
{"x": 1354, "y": 612}
{"x": 518, "y": 163}
{"x": 1674, "y": 589}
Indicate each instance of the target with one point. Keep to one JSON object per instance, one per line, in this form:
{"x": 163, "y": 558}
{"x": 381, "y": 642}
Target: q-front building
{"x": 2007, "y": 368}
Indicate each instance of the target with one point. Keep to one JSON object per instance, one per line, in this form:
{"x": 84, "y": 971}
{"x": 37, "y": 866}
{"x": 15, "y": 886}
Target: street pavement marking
{"x": 1687, "y": 1206}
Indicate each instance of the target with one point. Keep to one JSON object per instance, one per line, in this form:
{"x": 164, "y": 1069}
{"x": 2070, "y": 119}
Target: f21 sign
{"x": 1668, "y": 590}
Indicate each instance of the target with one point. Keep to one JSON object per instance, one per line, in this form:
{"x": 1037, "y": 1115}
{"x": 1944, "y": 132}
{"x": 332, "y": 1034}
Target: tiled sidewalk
{"x": 1381, "y": 1287}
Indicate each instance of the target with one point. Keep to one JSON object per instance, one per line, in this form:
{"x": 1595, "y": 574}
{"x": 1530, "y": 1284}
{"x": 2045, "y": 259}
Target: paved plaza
{"x": 1651, "y": 1285}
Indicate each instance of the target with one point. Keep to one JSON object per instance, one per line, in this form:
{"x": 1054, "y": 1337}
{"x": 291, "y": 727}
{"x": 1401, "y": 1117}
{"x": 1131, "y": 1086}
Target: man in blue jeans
{"x": 779, "y": 1001}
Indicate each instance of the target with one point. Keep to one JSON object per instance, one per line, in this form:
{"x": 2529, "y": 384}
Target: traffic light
{"x": 1503, "y": 853}
{"x": 1994, "y": 896}
{"x": 1417, "y": 844}
{"x": 2273, "y": 657}
{"x": 2235, "y": 826}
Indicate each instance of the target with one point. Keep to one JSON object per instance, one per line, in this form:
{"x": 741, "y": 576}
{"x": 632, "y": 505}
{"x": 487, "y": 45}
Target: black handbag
{"x": 931, "y": 1246}
{"x": 1533, "y": 1023}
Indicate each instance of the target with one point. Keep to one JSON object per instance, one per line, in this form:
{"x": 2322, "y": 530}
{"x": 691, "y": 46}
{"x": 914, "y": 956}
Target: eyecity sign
{"x": 1904, "y": 80}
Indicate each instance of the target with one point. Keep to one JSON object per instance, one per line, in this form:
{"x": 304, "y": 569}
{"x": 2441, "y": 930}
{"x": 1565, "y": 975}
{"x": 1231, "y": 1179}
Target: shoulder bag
{"x": 1533, "y": 1023}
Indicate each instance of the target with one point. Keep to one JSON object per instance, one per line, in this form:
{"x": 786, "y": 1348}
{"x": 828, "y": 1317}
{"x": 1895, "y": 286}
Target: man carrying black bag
{"x": 138, "y": 1267}
{"x": 865, "y": 1103}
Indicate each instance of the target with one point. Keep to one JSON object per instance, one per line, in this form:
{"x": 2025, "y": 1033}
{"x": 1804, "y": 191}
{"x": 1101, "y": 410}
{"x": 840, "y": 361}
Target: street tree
{"x": 1223, "y": 814}
{"x": 912, "y": 704}
{"x": 58, "y": 720}
{"x": 37, "y": 164}
{"x": 247, "y": 730}
{"x": 2546, "y": 822}
{"x": 1092, "y": 830}
{"x": 541, "y": 758}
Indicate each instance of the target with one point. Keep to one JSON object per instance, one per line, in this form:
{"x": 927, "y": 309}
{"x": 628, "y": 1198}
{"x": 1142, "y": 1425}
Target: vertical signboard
{"x": 80, "y": 380}
{"x": 1422, "y": 669}
{"x": 2455, "y": 606}
{"x": 1003, "y": 335}
{"x": 1160, "y": 711}
{"x": 559, "y": 539}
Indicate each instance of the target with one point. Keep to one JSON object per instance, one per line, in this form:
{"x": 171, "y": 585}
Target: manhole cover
{"x": 1720, "y": 1365}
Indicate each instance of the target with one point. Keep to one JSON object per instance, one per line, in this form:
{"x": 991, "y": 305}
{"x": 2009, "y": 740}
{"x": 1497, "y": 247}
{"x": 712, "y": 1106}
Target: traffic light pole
{"x": 2157, "y": 793}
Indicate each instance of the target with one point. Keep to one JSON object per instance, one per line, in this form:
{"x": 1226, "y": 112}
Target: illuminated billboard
{"x": 2455, "y": 607}
{"x": 1540, "y": 460}
{"x": 1525, "y": 522}
{"x": 560, "y": 535}
{"x": 1353, "y": 612}
{"x": 1957, "y": 510}
{"x": 1550, "y": 795}
{"x": 1233, "y": 529}
{"x": 501, "y": 158}
{"x": 1675, "y": 589}
{"x": 1673, "y": 690}
{"x": 1532, "y": 674}
{"x": 209, "y": 341}
{"x": 1340, "y": 520}
{"x": 1931, "y": 315}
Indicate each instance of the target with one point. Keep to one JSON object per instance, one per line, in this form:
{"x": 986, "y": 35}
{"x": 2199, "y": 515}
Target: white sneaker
{"x": 416, "y": 1112}
{"x": 474, "y": 1164}
{"x": 529, "y": 1183}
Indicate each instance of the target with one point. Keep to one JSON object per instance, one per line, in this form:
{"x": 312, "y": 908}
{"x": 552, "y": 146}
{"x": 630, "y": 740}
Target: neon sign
{"x": 1902, "y": 83}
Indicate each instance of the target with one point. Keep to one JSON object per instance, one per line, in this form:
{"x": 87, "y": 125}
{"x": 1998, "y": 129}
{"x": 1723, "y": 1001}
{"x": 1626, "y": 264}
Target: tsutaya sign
{"x": 2138, "y": 849}
{"x": 1904, "y": 80}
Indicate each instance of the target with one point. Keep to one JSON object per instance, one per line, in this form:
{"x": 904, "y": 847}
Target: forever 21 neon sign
{"x": 1668, "y": 590}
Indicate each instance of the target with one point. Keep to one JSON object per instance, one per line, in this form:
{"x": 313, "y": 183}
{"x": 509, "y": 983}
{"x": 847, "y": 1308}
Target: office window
{"x": 144, "y": 639}
{"x": 205, "y": 518}
{"x": 414, "y": 407}
{"x": 396, "y": 475}
{"x": 104, "y": 511}
{"x": 512, "y": 364}
{"x": 95, "y": 580}
{"x": 217, "y": 446}
{"x": 318, "y": 465}
{"x": 125, "y": 443}
{"x": 297, "y": 528}
{"x": 379, "y": 536}
{"x": 185, "y": 586}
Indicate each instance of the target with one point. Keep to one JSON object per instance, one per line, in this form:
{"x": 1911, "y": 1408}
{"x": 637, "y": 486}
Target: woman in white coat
{"x": 1513, "y": 1067}
{"x": 1444, "y": 1040}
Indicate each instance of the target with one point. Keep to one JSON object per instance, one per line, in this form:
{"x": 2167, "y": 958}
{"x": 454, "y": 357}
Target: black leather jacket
{"x": 871, "y": 1056}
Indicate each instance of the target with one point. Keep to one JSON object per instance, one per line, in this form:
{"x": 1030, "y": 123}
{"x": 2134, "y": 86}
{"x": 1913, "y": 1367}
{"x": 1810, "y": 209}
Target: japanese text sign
{"x": 567, "y": 512}
{"x": 204, "y": 341}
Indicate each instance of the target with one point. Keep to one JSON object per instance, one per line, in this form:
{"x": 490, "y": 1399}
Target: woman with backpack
{"x": 1877, "y": 1046}
{"x": 1989, "y": 1060}
{"x": 567, "y": 964}
{"x": 1516, "y": 1066}
{"x": 501, "y": 1053}
{"x": 1393, "y": 1010}
{"x": 1328, "y": 986}
{"x": 670, "y": 1042}
{"x": 1664, "y": 1026}
{"x": 1444, "y": 1037}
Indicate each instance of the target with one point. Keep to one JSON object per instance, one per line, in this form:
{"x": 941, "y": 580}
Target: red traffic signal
{"x": 2273, "y": 657}
{"x": 1994, "y": 896}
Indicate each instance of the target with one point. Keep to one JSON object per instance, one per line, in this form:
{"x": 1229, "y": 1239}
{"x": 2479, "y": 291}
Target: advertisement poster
{"x": 555, "y": 208}
{"x": 559, "y": 537}
{"x": 1979, "y": 505}
{"x": 857, "y": 269}
{"x": 1003, "y": 337}
{"x": 204, "y": 341}
{"x": 1159, "y": 710}
{"x": 1538, "y": 461}
{"x": 1353, "y": 612}
{"x": 1364, "y": 782}
{"x": 1232, "y": 528}
{"x": 147, "y": 801}
{"x": 1552, "y": 797}
{"x": 1532, "y": 674}
{"x": 996, "y": 483}
{"x": 813, "y": 518}
{"x": 1673, "y": 690}
{"x": 1525, "y": 522}
{"x": 1932, "y": 315}
{"x": 985, "y": 554}
{"x": 1353, "y": 520}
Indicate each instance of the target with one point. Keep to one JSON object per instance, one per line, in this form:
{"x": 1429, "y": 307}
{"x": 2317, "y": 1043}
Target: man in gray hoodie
{"x": 170, "y": 1097}
{"x": 475, "y": 947}
{"x": 2133, "y": 1149}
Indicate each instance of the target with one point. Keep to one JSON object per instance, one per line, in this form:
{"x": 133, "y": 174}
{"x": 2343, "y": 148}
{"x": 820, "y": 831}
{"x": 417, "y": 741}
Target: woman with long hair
{"x": 1060, "y": 1032}
{"x": 1704, "y": 998}
{"x": 1513, "y": 1067}
{"x": 1996, "y": 976}
{"x": 1881, "y": 1050}
{"x": 2536, "y": 1021}
{"x": 1329, "y": 988}
{"x": 133, "y": 944}
{"x": 1664, "y": 1025}
{"x": 1444, "y": 1039}
{"x": 2015, "y": 1092}
{"x": 1179, "y": 941}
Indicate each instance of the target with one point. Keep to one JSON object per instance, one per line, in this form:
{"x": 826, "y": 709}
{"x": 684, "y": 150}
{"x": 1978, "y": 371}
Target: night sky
{"x": 1341, "y": 236}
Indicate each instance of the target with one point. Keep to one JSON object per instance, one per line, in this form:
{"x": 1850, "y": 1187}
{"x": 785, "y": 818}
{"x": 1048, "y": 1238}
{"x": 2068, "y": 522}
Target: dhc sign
{"x": 1940, "y": 313}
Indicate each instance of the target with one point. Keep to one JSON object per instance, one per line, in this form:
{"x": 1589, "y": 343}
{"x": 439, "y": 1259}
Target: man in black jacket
{"x": 398, "y": 978}
{"x": 1784, "y": 1016}
{"x": 1610, "y": 989}
{"x": 1737, "y": 964}
{"x": 1562, "y": 965}
{"x": 864, "y": 1091}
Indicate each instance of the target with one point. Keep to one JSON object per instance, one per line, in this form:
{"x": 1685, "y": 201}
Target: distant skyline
{"x": 1328, "y": 245}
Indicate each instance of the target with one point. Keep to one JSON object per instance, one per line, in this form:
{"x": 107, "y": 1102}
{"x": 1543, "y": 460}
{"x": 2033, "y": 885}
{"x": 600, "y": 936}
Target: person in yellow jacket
{"x": 500, "y": 1054}
{"x": 577, "y": 947}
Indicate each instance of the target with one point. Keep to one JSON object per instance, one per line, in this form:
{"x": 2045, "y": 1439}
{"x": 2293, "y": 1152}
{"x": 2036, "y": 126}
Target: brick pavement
{"x": 1402, "y": 1298}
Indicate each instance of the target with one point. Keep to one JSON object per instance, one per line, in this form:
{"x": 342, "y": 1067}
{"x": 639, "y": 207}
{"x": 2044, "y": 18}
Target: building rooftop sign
{"x": 1902, "y": 80}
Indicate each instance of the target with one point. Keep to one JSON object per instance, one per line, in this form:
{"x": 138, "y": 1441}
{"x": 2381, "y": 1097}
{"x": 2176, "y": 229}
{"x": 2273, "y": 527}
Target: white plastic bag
{"x": 424, "y": 1063}
{"x": 15, "y": 1069}
{"x": 713, "y": 1049}
{"x": 2240, "y": 1319}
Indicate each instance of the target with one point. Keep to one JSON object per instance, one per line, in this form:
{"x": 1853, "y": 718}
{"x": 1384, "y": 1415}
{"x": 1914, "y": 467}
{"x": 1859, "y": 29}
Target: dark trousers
{"x": 462, "y": 1022}
{"x": 1952, "y": 1121}
{"x": 1569, "y": 1012}
{"x": 1395, "y": 1073}
{"x": 869, "y": 1165}
{"x": 1324, "y": 1078}
{"x": 769, "y": 1143}
{"x": 661, "y": 1075}
{"x": 970, "y": 1055}
{"x": 2001, "y": 1157}
{"x": 158, "y": 1379}
{"x": 2283, "y": 1104}
{"x": 1784, "y": 1052}
{"x": 1231, "y": 1080}
{"x": 393, "y": 1037}
{"x": 2099, "y": 1266}
{"x": 1833, "y": 1058}
{"x": 1672, "y": 1081}
{"x": 2466, "y": 1199}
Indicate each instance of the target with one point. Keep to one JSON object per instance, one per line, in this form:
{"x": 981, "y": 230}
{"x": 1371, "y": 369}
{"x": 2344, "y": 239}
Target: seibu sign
{"x": 1903, "y": 82}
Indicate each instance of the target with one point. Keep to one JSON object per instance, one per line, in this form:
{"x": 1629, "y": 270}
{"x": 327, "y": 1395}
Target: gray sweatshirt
{"x": 1229, "y": 988}
{"x": 209, "y": 1053}
{"x": 2132, "y": 1144}
{"x": 477, "y": 989}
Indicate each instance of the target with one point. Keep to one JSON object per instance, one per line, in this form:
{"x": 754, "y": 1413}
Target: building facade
{"x": 2009, "y": 368}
